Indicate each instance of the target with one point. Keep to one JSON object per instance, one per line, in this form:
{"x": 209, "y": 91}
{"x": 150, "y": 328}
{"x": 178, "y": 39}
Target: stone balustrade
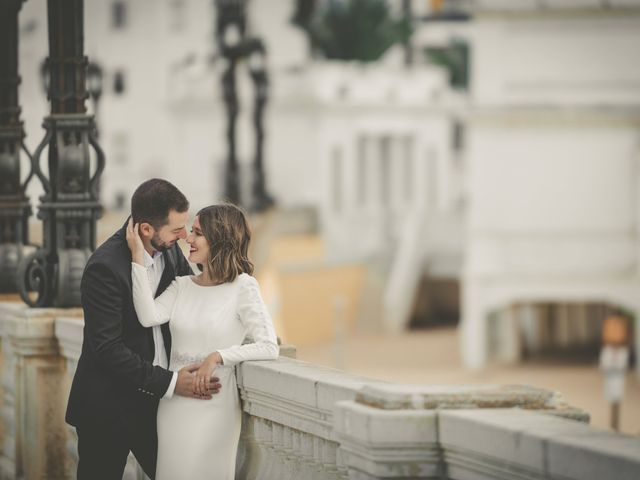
{"x": 309, "y": 421}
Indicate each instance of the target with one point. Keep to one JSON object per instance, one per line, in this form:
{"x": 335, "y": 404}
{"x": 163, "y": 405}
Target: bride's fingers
{"x": 199, "y": 384}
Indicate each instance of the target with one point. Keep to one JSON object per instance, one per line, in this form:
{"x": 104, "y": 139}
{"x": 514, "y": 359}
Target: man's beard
{"x": 159, "y": 245}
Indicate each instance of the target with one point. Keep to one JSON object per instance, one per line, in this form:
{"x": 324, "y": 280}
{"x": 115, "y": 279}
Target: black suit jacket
{"x": 115, "y": 374}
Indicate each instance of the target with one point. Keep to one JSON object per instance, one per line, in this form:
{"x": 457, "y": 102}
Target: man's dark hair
{"x": 152, "y": 201}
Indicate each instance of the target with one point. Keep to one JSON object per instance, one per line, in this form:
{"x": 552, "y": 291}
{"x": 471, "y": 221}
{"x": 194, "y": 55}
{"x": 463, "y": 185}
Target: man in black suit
{"x": 123, "y": 369}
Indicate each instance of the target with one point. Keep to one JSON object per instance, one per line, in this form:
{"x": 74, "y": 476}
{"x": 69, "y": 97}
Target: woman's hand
{"x": 202, "y": 377}
{"x": 135, "y": 242}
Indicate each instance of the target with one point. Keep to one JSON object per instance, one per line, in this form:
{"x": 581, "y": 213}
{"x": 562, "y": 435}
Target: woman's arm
{"x": 150, "y": 312}
{"x": 255, "y": 317}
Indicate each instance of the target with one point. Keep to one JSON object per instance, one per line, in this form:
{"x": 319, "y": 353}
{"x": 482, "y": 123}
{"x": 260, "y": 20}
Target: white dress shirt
{"x": 155, "y": 267}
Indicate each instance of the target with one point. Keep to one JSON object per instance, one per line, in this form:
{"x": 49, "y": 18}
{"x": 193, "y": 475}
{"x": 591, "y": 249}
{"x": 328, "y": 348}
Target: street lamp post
{"x": 258, "y": 71}
{"x": 235, "y": 46}
{"x": 14, "y": 204}
{"x": 94, "y": 86}
{"x": 70, "y": 205}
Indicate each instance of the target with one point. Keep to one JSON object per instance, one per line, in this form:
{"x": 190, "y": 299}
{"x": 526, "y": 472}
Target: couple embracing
{"x": 156, "y": 374}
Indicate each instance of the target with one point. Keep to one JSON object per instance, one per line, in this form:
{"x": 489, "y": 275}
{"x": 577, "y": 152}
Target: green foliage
{"x": 454, "y": 58}
{"x": 353, "y": 29}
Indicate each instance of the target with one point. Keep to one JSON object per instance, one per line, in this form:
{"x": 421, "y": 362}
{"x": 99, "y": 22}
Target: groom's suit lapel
{"x": 168, "y": 275}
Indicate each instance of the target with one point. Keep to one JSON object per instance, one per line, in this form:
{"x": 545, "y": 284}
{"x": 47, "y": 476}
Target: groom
{"x": 123, "y": 369}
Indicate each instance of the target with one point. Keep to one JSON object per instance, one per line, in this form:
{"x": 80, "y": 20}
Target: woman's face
{"x": 198, "y": 246}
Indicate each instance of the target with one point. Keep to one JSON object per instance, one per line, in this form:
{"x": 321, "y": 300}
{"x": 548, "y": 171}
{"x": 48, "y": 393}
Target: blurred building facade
{"x": 511, "y": 175}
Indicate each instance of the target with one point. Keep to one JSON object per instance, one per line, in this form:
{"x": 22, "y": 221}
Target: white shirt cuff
{"x": 172, "y": 387}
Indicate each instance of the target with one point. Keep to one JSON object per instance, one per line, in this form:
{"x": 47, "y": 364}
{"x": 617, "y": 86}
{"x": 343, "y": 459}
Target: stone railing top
{"x": 414, "y": 397}
{"x": 22, "y": 310}
{"x": 530, "y": 445}
{"x": 303, "y": 395}
{"x": 407, "y": 397}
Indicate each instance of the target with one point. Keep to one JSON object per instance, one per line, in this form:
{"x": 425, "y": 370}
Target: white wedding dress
{"x": 198, "y": 439}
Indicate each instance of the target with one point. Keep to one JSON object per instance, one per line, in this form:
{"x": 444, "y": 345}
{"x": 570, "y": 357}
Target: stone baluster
{"x": 308, "y": 465}
{"x": 263, "y": 465}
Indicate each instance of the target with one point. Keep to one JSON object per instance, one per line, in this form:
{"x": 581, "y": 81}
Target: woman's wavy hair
{"x": 227, "y": 232}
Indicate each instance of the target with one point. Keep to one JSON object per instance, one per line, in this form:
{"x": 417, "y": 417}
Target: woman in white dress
{"x": 209, "y": 316}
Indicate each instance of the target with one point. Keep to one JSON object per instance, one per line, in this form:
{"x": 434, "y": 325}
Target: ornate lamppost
{"x": 94, "y": 86}
{"x": 235, "y": 46}
{"x": 14, "y": 204}
{"x": 70, "y": 205}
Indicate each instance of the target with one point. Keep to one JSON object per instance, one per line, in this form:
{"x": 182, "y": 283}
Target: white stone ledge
{"x": 296, "y": 394}
{"x": 69, "y": 332}
{"x": 32, "y": 330}
{"x": 512, "y": 443}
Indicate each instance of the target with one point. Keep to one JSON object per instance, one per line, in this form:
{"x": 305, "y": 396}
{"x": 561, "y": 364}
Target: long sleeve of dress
{"x": 255, "y": 317}
{"x": 151, "y": 312}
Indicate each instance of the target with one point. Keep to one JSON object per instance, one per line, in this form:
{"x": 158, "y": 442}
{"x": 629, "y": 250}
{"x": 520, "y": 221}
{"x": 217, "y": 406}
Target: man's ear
{"x": 146, "y": 230}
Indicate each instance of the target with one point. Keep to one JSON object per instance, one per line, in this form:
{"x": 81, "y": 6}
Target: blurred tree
{"x": 455, "y": 58}
{"x": 351, "y": 29}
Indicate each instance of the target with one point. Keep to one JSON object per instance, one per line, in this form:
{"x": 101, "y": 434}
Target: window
{"x": 336, "y": 178}
{"x": 385, "y": 170}
{"x": 119, "y": 84}
{"x": 118, "y": 15}
{"x": 407, "y": 147}
{"x": 119, "y": 201}
{"x": 362, "y": 179}
{"x": 177, "y": 15}
{"x": 119, "y": 149}
{"x": 458, "y": 136}
{"x": 432, "y": 178}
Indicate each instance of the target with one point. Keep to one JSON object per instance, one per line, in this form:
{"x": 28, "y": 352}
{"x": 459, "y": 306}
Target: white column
{"x": 473, "y": 326}
{"x": 509, "y": 334}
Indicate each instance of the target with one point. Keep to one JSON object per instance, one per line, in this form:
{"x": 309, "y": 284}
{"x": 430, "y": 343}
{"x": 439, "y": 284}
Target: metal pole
{"x": 261, "y": 199}
{"x": 15, "y": 209}
{"x": 235, "y": 45}
{"x": 231, "y": 15}
{"x": 615, "y": 416}
{"x": 408, "y": 46}
{"x": 70, "y": 206}
{"x": 340, "y": 331}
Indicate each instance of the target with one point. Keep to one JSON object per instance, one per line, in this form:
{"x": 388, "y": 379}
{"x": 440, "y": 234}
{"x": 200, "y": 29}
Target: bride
{"x": 209, "y": 315}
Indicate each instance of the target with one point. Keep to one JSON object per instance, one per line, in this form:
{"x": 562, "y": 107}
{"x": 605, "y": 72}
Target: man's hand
{"x": 184, "y": 385}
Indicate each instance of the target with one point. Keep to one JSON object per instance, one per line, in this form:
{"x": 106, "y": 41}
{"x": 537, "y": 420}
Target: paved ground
{"x": 431, "y": 356}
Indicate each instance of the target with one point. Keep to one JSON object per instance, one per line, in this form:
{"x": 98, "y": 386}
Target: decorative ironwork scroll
{"x": 70, "y": 205}
{"x": 15, "y": 208}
